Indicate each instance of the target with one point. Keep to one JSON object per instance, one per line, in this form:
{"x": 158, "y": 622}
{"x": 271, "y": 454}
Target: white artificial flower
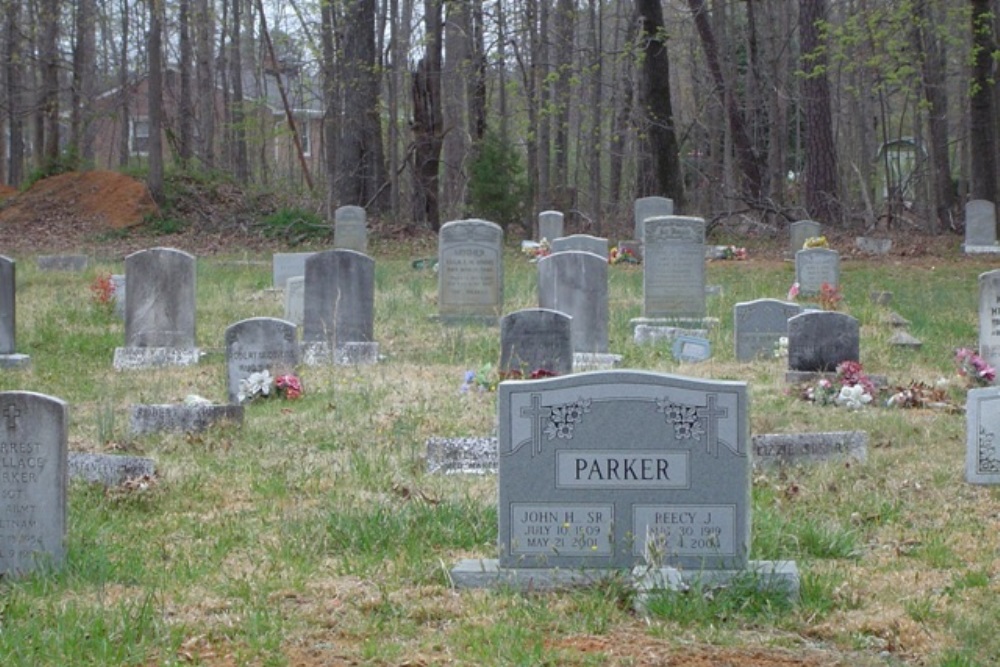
{"x": 258, "y": 382}
{"x": 853, "y": 398}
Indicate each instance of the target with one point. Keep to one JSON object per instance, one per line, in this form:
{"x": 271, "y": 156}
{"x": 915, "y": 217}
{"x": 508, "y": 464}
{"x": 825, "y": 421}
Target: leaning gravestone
{"x": 989, "y": 317}
{"x": 9, "y": 358}
{"x": 550, "y": 225}
{"x": 814, "y": 267}
{"x": 349, "y": 229}
{"x": 801, "y": 231}
{"x": 581, "y": 243}
{"x": 980, "y": 227}
{"x": 673, "y": 273}
{"x": 339, "y": 309}
{"x": 818, "y": 341}
{"x": 295, "y": 295}
{"x": 982, "y": 451}
{"x": 256, "y": 344}
{"x": 758, "y": 326}
{"x": 602, "y": 472}
{"x": 285, "y": 265}
{"x": 650, "y": 207}
{"x": 536, "y": 339}
{"x": 32, "y": 482}
{"x": 576, "y": 283}
{"x": 470, "y": 271}
{"x": 159, "y": 310}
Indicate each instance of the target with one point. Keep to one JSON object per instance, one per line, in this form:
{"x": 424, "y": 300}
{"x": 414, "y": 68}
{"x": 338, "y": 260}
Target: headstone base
{"x": 678, "y": 322}
{"x": 108, "y": 469}
{"x": 980, "y": 249}
{"x": 130, "y": 358}
{"x": 595, "y": 361}
{"x": 647, "y": 334}
{"x": 181, "y": 418}
{"x": 11, "y": 361}
{"x": 466, "y": 320}
{"x": 348, "y": 354}
{"x": 780, "y": 575}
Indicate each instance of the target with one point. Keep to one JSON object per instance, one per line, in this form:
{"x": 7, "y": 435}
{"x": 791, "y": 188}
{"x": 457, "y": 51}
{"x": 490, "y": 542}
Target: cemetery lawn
{"x": 314, "y": 535}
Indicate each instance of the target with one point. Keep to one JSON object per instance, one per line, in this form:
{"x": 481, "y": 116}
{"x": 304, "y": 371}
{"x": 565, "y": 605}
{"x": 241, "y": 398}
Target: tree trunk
{"x": 984, "y": 164}
{"x": 563, "y": 25}
{"x": 456, "y": 106}
{"x": 124, "y": 92}
{"x": 427, "y": 121}
{"x": 936, "y": 94}
{"x": 81, "y": 139}
{"x": 477, "y": 82}
{"x": 15, "y": 94}
{"x": 204, "y": 25}
{"x": 621, "y": 106}
{"x": 595, "y": 149}
{"x": 155, "y": 46}
{"x": 332, "y": 116}
{"x": 49, "y": 103}
{"x": 185, "y": 149}
{"x": 239, "y": 158}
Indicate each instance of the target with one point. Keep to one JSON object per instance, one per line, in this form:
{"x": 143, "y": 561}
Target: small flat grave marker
{"x": 108, "y": 469}
{"x": 691, "y": 349}
{"x": 175, "y": 418}
{"x": 789, "y": 449}
{"x": 453, "y": 456}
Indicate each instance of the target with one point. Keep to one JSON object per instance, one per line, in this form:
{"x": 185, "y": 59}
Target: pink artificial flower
{"x": 793, "y": 291}
{"x": 289, "y": 385}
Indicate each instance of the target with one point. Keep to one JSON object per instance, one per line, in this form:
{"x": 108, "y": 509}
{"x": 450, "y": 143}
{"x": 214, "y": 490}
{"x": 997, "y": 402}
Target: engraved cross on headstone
{"x": 12, "y": 413}
{"x": 711, "y": 414}
{"x": 538, "y": 416}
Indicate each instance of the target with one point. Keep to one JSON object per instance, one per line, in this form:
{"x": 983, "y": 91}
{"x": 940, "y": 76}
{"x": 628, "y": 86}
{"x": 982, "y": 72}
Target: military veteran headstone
{"x": 550, "y": 225}
{"x": 758, "y": 326}
{"x": 295, "y": 295}
{"x": 536, "y": 339}
{"x": 350, "y": 231}
{"x": 649, "y": 207}
{"x": 32, "y": 481}
{"x": 159, "y": 310}
{"x": 576, "y": 283}
{"x": 604, "y": 471}
{"x": 285, "y": 265}
{"x": 9, "y": 358}
{"x": 470, "y": 271}
{"x": 801, "y": 231}
{"x": 673, "y": 268}
{"x": 257, "y": 344}
{"x": 819, "y": 340}
{"x": 339, "y": 309}
{"x": 989, "y": 317}
{"x": 582, "y": 243}
{"x": 980, "y": 227}
{"x": 814, "y": 267}
{"x": 982, "y": 433}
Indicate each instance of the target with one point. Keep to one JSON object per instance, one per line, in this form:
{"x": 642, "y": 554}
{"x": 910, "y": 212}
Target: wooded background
{"x": 857, "y": 113}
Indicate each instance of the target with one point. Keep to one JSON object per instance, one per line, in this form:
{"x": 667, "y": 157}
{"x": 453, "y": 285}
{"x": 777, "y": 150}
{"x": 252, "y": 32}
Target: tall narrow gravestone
{"x": 649, "y": 207}
{"x": 814, "y": 267}
{"x": 610, "y": 470}
{"x": 536, "y": 339}
{"x": 982, "y": 452}
{"x": 550, "y": 225}
{"x": 350, "y": 231}
{"x": 32, "y": 481}
{"x": 9, "y": 358}
{"x": 673, "y": 273}
{"x": 257, "y": 344}
{"x": 576, "y": 283}
{"x": 339, "y": 308}
{"x": 470, "y": 271}
{"x": 159, "y": 310}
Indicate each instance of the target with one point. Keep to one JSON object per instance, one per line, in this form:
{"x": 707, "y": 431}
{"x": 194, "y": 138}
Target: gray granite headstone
{"x": 285, "y": 265}
{"x": 470, "y": 271}
{"x": 550, "y": 225}
{"x": 650, "y": 207}
{"x": 582, "y": 243}
{"x": 256, "y": 344}
{"x": 176, "y": 418}
{"x": 295, "y": 295}
{"x": 801, "y": 231}
{"x": 9, "y": 358}
{"x": 74, "y": 263}
{"x": 989, "y": 317}
{"x": 108, "y": 469}
{"x": 789, "y": 449}
{"x": 32, "y": 481}
{"x": 819, "y": 340}
{"x": 673, "y": 275}
{"x": 350, "y": 231}
{"x": 576, "y": 283}
{"x": 691, "y": 349}
{"x": 339, "y": 298}
{"x": 980, "y": 226}
{"x": 982, "y": 433}
{"x": 814, "y": 267}
{"x": 536, "y": 339}
{"x": 759, "y": 324}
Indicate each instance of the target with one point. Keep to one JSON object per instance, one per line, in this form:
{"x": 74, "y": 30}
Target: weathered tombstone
{"x": 339, "y": 306}
{"x": 536, "y": 339}
{"x": 550, "y": 225}
{"x": 691, "y": 349}
{"x": 9, "y": 358}
{"x": 285, "y": 265}
{"x": 989, "y": 317}
{"x": 649, "y": 207}
{"x": 159, "y": 310}
{"x": 980, "y": 227}
{"x": 576, "y": 283}
{"x": 814, "y": 267}
{"x": 602, "y": 472}
{"x": 819, "y": 340}
{"x": 350, "y": 231}
{"x": 470, "y": 271}
{"x": 673, "y": 274}
{"x": 73, "y": 263}
{"x": 582, "y": 243}
{"x": 108, "y": 469}
{"x": 462, "y": 455}
{"x": 179, "y": 418}
{"x": 256, "y": 344}
{"x": 295, "y": 295}
{"x": 32, "y": 482}
{"x": 982, "y": 435}
{"x": 758, "y": 326}
{"x": 801, "y": 231}
{"x": 790, "y": 449}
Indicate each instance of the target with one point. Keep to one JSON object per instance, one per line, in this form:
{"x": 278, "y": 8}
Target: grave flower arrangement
{"x": 488, "y": 377}
{"x": 619, "y": 255}
{"x": 260, "y": 384}
{"x": 535, "y": 251}
{"x": 102, "y": 291}
{"x": 829, "y": 296}
{"x": 733, "y": 252}
{"x": 976, "y": 371}
{"x": 852, "y": 388}
{"x": 816, "y": 242}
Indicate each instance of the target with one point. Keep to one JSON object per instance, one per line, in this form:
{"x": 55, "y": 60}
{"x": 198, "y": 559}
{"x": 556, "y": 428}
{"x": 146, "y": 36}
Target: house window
{"x": 305, "y": 140}
{"x": 139, "y": 136}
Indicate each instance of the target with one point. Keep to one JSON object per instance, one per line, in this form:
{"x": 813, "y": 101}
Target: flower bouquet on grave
{"x": 102, "y": 292}
{"x": 852, "y": 388}
{"x": 816, "y": 242}
{"x": 535, "y": 251}
{"x": 973, "y": 368}
{"x": 619, "y": 255}
{"x": 260, "y": 384}
{"x": 733, "y": 252}
{"x": 829, "y": 296}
